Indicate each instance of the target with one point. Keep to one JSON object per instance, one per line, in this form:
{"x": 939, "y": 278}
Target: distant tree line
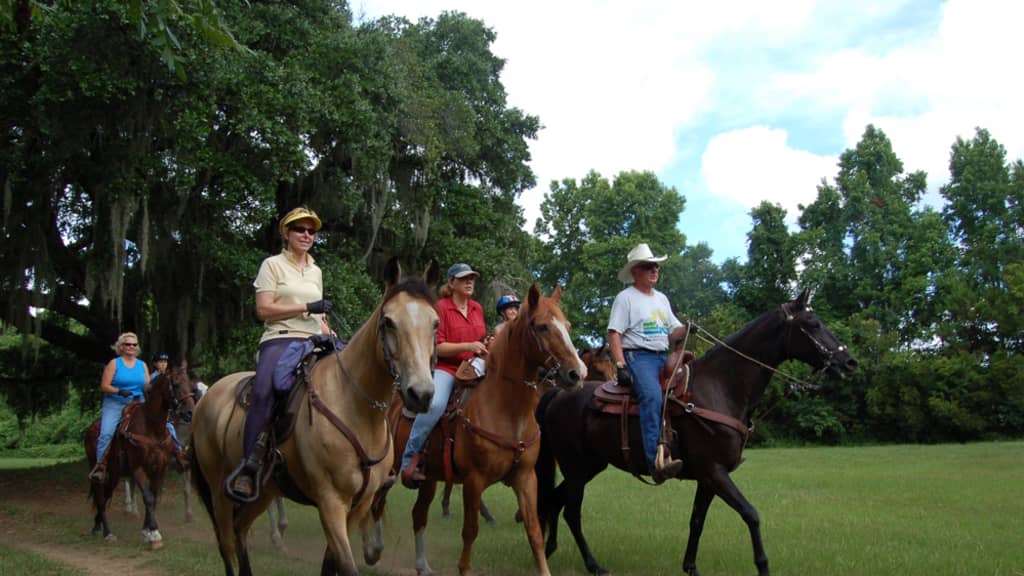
{"x": 148, "y": 152}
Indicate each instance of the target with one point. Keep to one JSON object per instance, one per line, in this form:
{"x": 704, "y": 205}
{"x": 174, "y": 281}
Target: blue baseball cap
{"x": 161, "y": 356}
{"x": 460, "y": 270}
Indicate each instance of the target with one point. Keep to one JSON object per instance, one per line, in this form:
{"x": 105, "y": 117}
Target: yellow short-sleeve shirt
{"x": 281, "y": 275}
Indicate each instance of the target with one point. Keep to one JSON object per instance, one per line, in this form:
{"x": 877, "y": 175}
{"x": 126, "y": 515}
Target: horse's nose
{"x": 572, "y": 376}
{"x": 187, "y": 417}
{"x": 851, "y": 364}
{"x": 418, "y": 400}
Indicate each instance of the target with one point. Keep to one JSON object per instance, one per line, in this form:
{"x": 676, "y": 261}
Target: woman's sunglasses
{"x": 310, "y": 231}
{"x": 130, "y": 344}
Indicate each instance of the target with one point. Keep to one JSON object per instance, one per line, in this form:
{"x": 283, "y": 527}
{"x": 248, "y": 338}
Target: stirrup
{"x": 98, "y": 473}
{"x": 240, "y": 473}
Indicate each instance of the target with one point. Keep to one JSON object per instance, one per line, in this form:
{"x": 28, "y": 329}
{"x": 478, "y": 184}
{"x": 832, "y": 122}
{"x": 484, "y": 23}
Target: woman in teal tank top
{"x": 123, "y": 379}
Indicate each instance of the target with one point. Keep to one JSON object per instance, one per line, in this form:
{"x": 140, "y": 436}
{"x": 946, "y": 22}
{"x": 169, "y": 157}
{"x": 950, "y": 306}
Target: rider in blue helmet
{"x": 508, "y": 310}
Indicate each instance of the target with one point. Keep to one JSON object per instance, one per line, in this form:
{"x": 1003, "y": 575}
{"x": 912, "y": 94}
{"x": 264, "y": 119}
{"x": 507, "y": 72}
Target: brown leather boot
{"x": 670, "y": 468}
{"x": 98, "y": 473}
{"x": 412, "y": 476}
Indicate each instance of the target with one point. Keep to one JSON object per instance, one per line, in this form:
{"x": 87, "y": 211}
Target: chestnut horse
{"x": 494, "y": 431}
{"x": 339, "y": 452}
{"x": 726, "y": 384}
{"x": 142, "y": 448}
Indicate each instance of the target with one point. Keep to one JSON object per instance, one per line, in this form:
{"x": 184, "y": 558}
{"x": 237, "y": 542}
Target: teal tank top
{"x": 130, "y": 379}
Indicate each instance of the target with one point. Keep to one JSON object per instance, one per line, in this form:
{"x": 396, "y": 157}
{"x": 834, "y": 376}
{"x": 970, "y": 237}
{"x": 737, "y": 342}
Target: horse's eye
{"x": 437, "y": 323}
{"x": 543, "y": 328}
{"x": 389, "y": 323}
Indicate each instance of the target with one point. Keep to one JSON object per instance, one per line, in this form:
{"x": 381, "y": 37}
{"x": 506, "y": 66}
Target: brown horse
{"x": 713, "y": 425}
{"x": 600, "y": 366}
{"x": 339, "y": 452}
{"x": 495, "y": 434}
{"x": 142, "y": 448}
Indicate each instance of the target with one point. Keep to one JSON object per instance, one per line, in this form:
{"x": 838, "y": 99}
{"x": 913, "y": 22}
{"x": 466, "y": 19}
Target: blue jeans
{"x": 174, "y": 435}
{"x": 424, "y": 423}
{"x": 110, "y": 417}
{"x": 646, "y": 370}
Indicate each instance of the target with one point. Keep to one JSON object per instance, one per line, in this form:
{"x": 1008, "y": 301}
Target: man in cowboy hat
{"x": 639, "y": 331}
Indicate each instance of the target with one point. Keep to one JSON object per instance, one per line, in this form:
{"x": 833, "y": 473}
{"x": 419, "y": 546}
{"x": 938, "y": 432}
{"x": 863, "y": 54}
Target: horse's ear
{"x": 557, "y": 294}
{"x": 432, "y": 274}
{"x": 803, "y": 299}
{"x": 392, "y": 272}
{"x": 533, "y": 297}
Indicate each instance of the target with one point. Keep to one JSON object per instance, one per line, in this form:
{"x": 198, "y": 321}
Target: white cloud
{"x": 755, "y": 164}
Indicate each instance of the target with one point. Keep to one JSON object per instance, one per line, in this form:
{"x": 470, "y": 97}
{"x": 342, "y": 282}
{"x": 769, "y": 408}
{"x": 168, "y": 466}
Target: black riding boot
{"x": 242, "y": 484}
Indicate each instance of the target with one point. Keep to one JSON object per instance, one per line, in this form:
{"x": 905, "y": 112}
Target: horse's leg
{"x": 472, "y": 489}
{"x": 148, "y": 488}
{"x": 722, "y": 486}
{"x": 338, "y": 558}
{"x": 243, "y": 519}
{"x": 186, "y": 487}
{"x": 446, "y": 499}
{"x": 550, "y": 513}
{"x": 485, "y": 513}
{"x": 526, "y": 492}
{"x": 100, "y": 496}
{"x": 278, "y": 522}
{"x": 129, "y": 499}
{"x": 701, "y": 502}
{"x": 572, "y": 498}
{"x": 420, "y": 513}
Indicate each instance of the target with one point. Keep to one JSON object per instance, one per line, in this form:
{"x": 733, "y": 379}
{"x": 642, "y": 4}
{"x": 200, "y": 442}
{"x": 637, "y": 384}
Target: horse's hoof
{"x": 372, "y": 558}
{"x": 110, "y": 538}
{"x": 156, "y": 544}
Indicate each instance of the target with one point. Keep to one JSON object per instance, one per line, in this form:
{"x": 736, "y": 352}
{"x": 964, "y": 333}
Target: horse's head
{"x": 809, "y": 340}
{"x": 177, "y": 392}
{"x": 599, "y": 363}
{"x": 408, "y": 332}
{"x": 549, "y": 331}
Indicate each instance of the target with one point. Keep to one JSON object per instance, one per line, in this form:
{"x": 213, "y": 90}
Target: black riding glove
{"x": 124, "y": 393}
{"x": 320, "y": 307}
{"x": 624, "y": 376}
{"x": 324, "y": 341}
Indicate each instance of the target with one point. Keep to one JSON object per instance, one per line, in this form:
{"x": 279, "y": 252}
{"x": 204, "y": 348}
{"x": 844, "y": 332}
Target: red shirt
{"x": 456, "y": 328}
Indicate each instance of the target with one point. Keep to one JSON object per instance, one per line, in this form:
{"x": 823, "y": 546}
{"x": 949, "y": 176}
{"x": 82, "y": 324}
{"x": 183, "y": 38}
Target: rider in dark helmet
{"x": 508, "y": 310}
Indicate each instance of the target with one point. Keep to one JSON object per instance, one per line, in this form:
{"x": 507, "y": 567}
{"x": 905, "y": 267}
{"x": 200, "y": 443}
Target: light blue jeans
{"x": 174, "y": 435}
{"x": 646, "y": 370}
{"x": 110, "y": 417}
{"x": 424, "y": 423}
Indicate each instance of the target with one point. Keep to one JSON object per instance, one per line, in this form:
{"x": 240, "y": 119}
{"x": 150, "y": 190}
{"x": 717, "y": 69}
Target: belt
{"x": 626, "y": 350}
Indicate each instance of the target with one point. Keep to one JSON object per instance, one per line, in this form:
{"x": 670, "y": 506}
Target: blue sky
{"x": 744, "y": 101}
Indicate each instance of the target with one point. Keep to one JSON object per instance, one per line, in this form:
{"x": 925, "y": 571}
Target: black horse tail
{"x": 545, "y": 467}
{"x": 201, "y": 484}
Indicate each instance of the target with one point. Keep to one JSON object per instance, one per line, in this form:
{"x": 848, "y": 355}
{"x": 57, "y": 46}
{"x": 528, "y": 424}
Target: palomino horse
{"x": 141, "y": 447}
{"x": 494, "y": 436}
{"x": 340, "y": 452}
{"x": 713, "y": 425}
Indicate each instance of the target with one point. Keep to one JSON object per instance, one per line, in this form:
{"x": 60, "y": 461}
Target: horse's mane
{"x": 745, "y": 331}
{"x": 414, "y": 286}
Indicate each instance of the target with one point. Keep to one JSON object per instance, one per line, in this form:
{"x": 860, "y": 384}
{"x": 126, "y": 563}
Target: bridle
{"x": 824, "y": 352}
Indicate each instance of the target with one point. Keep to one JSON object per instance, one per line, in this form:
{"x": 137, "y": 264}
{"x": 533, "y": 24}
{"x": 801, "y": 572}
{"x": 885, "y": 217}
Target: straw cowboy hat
{"x": 639, "y": 255}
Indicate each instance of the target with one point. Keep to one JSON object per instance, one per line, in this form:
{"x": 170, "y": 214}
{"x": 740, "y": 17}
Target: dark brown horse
{"x": 726, "y": 384}
{"x": 142, "y": 448}
{"x": 495, "y": 435}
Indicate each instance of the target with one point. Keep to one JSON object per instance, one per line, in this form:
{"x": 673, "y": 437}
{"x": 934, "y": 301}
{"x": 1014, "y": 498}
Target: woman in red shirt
{"x": 460, "y": 336}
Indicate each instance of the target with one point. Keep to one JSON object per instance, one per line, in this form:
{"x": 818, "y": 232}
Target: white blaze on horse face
{"x": 563, "y": 330}
{"x": 422, "y": 317}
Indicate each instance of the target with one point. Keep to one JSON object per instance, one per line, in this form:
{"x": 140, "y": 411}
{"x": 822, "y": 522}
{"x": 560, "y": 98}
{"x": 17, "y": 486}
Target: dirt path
{"x": 47, "y": 511}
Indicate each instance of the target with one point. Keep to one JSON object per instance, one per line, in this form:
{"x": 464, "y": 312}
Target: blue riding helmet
{"x": 506, "y": 301}
{"x": 161, "y": 356}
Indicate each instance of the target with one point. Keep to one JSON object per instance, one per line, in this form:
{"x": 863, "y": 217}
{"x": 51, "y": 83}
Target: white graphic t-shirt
{"x": 644, "y": 321}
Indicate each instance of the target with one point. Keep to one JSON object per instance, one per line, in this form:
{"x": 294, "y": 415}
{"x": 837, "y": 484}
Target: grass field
{"x": 890, "y": 510}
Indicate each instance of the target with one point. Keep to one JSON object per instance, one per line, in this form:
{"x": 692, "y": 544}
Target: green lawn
{"x": 889, "y": 510}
